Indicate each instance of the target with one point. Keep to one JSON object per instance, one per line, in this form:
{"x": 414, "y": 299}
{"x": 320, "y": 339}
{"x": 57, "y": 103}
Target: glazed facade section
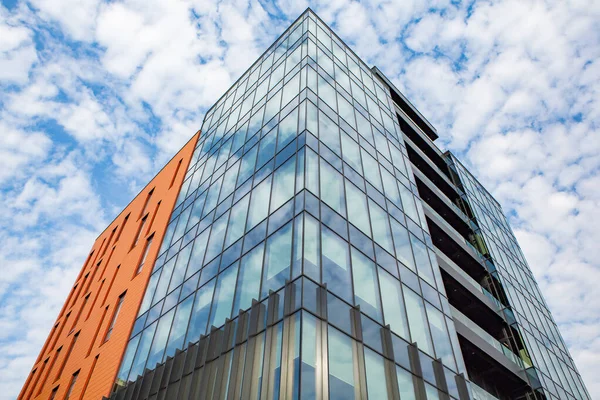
{"x": 82, "y": 354}
{"x": 546, "y": 350}
{"x": 301, "y": 178}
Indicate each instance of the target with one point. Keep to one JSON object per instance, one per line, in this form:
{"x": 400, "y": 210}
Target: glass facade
{"x": 299, "y": 227}
{"x": 545, "y": 353}
{"x": 301, "y": 172}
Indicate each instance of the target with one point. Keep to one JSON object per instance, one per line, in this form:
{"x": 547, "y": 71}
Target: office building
{"x": 322, "y": 246}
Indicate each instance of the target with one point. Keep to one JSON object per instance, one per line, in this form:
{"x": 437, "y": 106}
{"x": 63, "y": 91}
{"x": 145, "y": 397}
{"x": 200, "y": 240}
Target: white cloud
{"x": 17, "y": 52}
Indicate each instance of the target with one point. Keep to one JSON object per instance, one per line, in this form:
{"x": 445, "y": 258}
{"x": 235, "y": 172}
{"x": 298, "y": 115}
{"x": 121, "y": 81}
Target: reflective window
{"x": 381, "y": 228}
{"x": 311, "y": 248}
{"x": 223, "y": 301}
{"x": 405, "y": 384}
{"x": 309, "y": 357}
{"x": 422, "y": 260}
{"x": 375, "y": 370}
{"x": 336, "y": 264}
{"x": 277, "y": 260}
{"x": 371, "y": 169}
{"x": 259, "y": 203}
{"x": 329, "y": 133}
{"x": 217, "y": 235}
{"x": 439, "y": 333}
{"x": 341, "y": 365}
{"x": 351, "y": 152}
{"x": 283, "y": 184}
{"x": 408, "y": 202}
{"x": 288, "y": 127}
{"x": 248, "y": 285}
{"x": 160, "y": 339}
{"x": 332, "y": 188}
{"x": 248, "y": 162}
{"x": 358, "y": 213}
{"x": 180, "y": 324}
{"x": 237, "y": 221}
{"x": 402, "y": 245}
{"x": 200, "y": 312}
{"x": 417, "y": 320}
{"x": 312, "y": 171}
{"x": 366, "y": 289}
{"x": 393, "y": 304}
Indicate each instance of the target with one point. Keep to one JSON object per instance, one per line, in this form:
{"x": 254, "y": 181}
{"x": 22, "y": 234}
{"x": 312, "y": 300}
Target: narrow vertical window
{"x": 141, "y": 230}
{"x": 85, "y": 300}
{"x": 114, "y": 318}
{"x": 64, "y": 362}
{"x": 72, "y": 385}
{"x": 148, "y": 197}
{"x": 143, "y": 260}
{"x": 122, "y": 227}
{"x": 175, "y": 174}
{"x": 53, "y": 394}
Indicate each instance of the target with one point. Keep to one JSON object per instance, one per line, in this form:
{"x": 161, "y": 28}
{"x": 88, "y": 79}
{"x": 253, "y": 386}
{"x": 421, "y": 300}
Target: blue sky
{"x": 96, "y": 96}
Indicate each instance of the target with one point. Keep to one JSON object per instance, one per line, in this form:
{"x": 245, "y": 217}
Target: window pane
{"x": 149, "y": 292}
{"x": 127, "y": 360}
{"x": 309, "y": 357}
{"x": 224, "y": 296}
{"x": 290, "y": 90}
{"x": 142, "y": 352}
{"x": 341, "y": 366}
{"x": 160, "y": 339}
{"x": 180, "y": 267}
{"x": 248, "y": 162}
{"x": 422, "y": 260}
{"x": 277, "y": 260}
{"x": 267, "y": 148}
{"x": 408, "y": 203}
{"x": 311, "y": 248}
{"x": 336, "y": 264}
{"x": 381, "y": 228}
{"x": 229, "y": 181}
{"x": 332, "y": 188}
{"x": 288, "y": 128}
{"x": 390, "y": 186}
{"x": 165, "y": 278}
{"x": 180, "y": 323}
{"x": 312, "y": 171}
{"x": 283, "y": 183}
{"x": 259, "y": 203}
{"x": 366, "y": 289}
{"x": 358, "y": 213}
{"x": 329, "y": 132}
{"x": 402, "y": 245}
{"x": 405, "y": 384}
{"x": 351, "y": 152}
{"x": 393, "y": 304}
{"x": 376, "y": 382}
{"x": 217, "y": 235}
{"x": 371, "y": 170}
{"x": 212, "y": 196}
{"x": 439, "y": 333}
{"x": 417, "y": 320}
{"x": 237, "y": 221}
{"x": 200, "y": 312}
{"x": 249, "y": 279}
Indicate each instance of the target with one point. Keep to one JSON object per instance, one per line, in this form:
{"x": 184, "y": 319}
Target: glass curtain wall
{"x": 301, "y": 175}
{"x": 546, "y": 349}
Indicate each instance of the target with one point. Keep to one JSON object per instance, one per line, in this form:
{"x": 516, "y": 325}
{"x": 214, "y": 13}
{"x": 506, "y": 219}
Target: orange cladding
{"x": 81, "y": 356}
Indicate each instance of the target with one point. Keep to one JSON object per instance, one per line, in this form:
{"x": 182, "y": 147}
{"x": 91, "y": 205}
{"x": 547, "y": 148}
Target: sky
{"x": 96, "y": 96}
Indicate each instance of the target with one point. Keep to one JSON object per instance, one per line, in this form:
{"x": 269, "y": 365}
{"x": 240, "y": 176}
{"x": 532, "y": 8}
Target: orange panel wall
{"x": 77, "y": 343}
